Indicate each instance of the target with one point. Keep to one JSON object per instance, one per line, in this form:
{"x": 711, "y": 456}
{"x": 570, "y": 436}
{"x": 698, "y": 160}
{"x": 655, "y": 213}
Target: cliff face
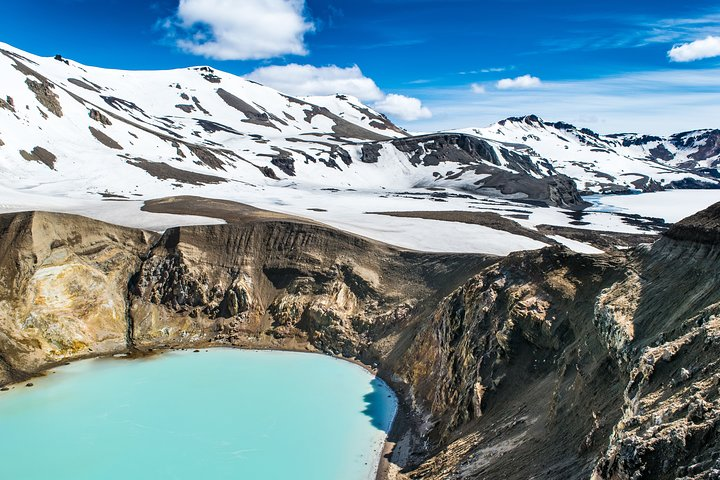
{"x": 556, "y": 365}
{"x": 513, "y": 373}
{"x": 670, "y": 425}
{"x": 72, "y": 287}
{"x": 284, "y": 283}
{"x": 505, "y": 170}
{"x": 546, "y": 364}
{"x": 63, "y": 288}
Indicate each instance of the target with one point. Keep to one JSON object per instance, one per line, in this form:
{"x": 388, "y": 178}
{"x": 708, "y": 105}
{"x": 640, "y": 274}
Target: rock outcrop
{"x": 63, "y": 288}
{"x": 276, "y": 282}
{"x": 557, "y": 365}
{"x": 543, "y": 364}
{"x": 505, "y": 170}
{"x": 45, "y": 95}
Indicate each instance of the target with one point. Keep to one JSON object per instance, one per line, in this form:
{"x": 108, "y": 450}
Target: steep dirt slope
{"x": 543, "y": 364}
{"x": 286, "y": 282}
{"x": 556, "y": 365}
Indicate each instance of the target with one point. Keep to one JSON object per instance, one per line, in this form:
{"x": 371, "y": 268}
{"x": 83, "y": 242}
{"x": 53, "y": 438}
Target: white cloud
{"x": 301, "y": 80}
{"x": 477, "y": 88}
{"x": 493, "y": 69}
{"x": 522, "y": 82}
{"x": 697, "y": 50}
{"x": 305, "y": 80}
{"x": 405, "y": 108}
{"x": 240, "y": 30}
{"x": 485, "y": 70}
{"x": 654, "y": 102}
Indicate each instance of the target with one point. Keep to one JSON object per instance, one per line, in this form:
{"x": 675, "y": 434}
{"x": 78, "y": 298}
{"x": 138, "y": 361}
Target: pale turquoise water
{"x": 220, "y": 414}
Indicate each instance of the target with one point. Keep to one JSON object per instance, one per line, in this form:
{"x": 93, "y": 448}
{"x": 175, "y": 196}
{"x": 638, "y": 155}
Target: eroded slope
{"x": 544, "y": 364}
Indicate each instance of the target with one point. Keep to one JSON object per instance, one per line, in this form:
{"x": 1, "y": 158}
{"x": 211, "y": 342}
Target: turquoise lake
{"x": 217, "y": 414}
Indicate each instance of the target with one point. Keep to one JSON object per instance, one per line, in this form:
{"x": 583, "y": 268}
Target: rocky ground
{"x": 543, "y": 364}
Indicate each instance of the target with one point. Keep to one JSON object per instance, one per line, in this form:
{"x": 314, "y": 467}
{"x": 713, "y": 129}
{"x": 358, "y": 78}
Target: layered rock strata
{"x": 543, "y": 364}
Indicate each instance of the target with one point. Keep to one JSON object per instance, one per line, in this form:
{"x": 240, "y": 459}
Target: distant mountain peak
{"x": 97, "y": 130}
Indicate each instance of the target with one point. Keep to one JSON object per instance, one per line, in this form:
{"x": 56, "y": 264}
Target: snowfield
{"x": 671, "y": 205}
{"x": 100, "y": 143}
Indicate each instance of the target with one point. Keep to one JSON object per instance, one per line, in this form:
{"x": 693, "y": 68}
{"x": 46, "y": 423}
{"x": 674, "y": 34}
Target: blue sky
{"x": 428, "y": 64}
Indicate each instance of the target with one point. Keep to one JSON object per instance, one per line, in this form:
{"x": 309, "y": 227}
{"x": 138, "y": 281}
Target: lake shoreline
{"x": 400, "y": 426}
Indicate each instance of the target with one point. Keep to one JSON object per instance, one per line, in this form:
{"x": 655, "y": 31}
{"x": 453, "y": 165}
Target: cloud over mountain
{"x": 304, "y": 80}
{"x": 405, "y": 108}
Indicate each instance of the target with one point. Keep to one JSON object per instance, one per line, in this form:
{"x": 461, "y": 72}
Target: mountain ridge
{"x": 197, "y": 126}
{"x": 599, "y": 162}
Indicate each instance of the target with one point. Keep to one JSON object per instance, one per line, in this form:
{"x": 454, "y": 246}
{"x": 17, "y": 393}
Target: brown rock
{"x": 98, "y": 116}
{"x": 44, "y": 93}
{"x": 39, "y": 154}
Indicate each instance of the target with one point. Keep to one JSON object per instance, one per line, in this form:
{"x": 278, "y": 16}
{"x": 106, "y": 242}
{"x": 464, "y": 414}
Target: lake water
{"x": 217, "y": 414}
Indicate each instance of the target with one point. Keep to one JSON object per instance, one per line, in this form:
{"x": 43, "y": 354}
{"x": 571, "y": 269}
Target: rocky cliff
{"x": 543, "y": 364}
{"x": 556, "y": 365}
{"x": 283, "y": 283}
{"x": 63, "y": 288}
{"x": 74, "y": 287}
{"x": 500, "y": 170}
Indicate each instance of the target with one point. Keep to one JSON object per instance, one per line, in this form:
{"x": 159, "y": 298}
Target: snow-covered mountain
{"x": 102, "y": 143}
{"x": 63, "y": 123}
{"x": 197, "y": 124}
{"x": 613, "y": 163}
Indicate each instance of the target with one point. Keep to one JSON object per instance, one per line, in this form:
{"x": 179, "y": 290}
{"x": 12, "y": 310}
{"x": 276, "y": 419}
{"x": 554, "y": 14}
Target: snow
{"x": 434, "y": 235}
{"x": 575, "y": 246}
{"x": 339, "y": 195}
{"x": 670, "y": 205}
{"x": 595, "y": 161}
{"x": 124, "y": 213}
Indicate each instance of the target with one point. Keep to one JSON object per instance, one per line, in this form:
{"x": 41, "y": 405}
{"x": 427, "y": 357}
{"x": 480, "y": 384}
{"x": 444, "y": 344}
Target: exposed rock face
{"x": 285, "y": 162}
{"x": 511, "y": 375}
{"x": 264, "y": 282}
{"x": 44, "y": 93}
{"x": 63, "y": 287}
{"x": 206, "y": 157}
{"x": 279, "y": 282}
{"x": 706, "y": 141}
{"x": 252, "y": 114}
{"x": 507, "y": 171}
{"x": 39, "y": 154}
{"x": 98, "y": 116}
{"x": 701, "y": 228}
{"x": 543, "y": 364}
{"x": 370, "y": 153}
{"x": 164, "y": 171}
{"x": 7, "y": 104}
{"x": 670, "y": 427}
{"x": 86, "y": 84}
{"x": 556, "y": 190}
{"x": 105, "y": 139}
{"x": 6, "y": 373}
{"x": 531, "y": 367}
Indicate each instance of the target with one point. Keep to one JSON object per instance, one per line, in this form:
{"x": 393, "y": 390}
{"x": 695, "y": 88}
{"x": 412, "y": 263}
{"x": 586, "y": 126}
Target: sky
{"x": 612, "y": 66}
